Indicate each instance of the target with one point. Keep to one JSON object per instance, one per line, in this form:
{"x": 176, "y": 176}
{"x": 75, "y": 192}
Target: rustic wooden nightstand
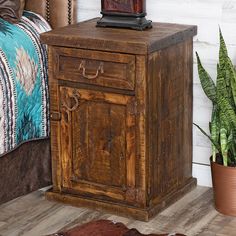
{"x": 121, "y": 116}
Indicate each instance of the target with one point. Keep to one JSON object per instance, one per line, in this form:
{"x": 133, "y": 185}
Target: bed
{"x": 26, "y": 166}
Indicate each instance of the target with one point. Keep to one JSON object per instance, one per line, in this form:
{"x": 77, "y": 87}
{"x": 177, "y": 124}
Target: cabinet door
{"x": 97, "y": 143}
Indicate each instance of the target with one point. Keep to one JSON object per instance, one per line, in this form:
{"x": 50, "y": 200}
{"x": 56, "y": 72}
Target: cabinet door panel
{"x": 99, "y": 140}
{"x": 97, "y": 136}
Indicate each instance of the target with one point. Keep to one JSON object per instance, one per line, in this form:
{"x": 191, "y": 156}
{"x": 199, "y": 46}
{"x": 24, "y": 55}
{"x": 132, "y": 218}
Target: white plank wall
{"x": 208, "y": 15}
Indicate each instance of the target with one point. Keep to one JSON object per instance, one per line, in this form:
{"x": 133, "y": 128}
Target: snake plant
{"x": 223, "y": 97}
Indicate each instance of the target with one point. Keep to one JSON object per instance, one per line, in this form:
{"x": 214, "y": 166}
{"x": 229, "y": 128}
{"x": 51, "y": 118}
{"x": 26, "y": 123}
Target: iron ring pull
{"x": 76, "y": 98}
{"x": 100, "y": 69}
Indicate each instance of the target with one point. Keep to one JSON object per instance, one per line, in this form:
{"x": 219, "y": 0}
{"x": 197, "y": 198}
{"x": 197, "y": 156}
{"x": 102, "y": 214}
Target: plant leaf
{"x": 227, "y": 109}
{"x": 207, "y": 83}
{"x": 212, "y": 141}
{"x": 225, "y": 68}
{"x": 223, "y": 53}
{"x": 223, "y": 139}
{"x": 221, "y": 86}
{"x": 231, "y": 145}
{"x": 214, "y": 129}
{"x": 226, "y": 71}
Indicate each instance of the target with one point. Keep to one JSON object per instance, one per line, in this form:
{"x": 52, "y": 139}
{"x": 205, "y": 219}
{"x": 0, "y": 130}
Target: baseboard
{"x": 203, "y": 174}
{"x": 143, "y": 214}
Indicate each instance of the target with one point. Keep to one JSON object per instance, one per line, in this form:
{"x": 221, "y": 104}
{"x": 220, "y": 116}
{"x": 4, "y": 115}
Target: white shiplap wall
{"x": 208, "y": 15}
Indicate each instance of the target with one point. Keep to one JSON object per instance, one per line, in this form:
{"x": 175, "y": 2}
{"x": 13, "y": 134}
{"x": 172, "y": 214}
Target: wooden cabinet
{"x": 121, "y": 116}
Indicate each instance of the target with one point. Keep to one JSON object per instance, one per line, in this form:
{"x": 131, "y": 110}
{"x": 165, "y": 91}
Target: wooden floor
{"x": 194, "y": 214}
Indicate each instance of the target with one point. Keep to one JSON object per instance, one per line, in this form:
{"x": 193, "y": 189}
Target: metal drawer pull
{"x": 100, "y": 69}
{"x": 76, "y": 98}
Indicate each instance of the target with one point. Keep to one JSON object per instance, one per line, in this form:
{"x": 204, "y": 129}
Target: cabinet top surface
{"x": 86, "y": 35}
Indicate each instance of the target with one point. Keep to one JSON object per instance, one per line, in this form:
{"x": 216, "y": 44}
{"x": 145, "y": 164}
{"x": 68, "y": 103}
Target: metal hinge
{"x": 133, "y": 108}
{"x": 149, "y": 190}
{"x": 55, "y": 116}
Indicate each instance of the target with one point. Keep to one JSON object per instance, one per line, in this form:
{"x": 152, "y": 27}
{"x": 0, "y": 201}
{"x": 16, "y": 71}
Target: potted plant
{"x": 222, "y": 129}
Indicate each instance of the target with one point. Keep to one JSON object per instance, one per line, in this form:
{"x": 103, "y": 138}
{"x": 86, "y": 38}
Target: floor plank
{"x": 193, "y": 215}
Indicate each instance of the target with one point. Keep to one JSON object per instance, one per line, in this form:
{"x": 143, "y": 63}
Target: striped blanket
{"x": 23, "y": 82}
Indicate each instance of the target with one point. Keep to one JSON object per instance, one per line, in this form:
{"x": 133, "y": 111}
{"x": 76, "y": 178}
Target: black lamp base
{"x": 124, "y": 21}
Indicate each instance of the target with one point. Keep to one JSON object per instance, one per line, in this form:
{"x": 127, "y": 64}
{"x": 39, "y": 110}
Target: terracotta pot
{"x": 224, "y": 187}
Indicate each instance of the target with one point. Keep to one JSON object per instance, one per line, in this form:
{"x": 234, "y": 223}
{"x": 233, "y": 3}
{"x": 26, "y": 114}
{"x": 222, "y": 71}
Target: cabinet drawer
{"x": 94, "y": 67}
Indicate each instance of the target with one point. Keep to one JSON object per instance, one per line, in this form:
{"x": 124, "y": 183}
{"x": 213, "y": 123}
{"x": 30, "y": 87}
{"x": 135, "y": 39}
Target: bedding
{"x": 23, "y": 82}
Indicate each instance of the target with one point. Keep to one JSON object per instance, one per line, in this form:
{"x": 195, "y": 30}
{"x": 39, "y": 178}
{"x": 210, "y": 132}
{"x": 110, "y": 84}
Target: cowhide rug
{"x": 105, "y": 228}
